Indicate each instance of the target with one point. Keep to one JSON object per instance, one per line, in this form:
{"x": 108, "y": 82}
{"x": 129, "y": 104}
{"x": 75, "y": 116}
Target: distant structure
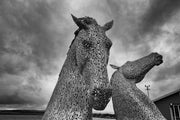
{"x": 169, "y": 105}
{"x": 83, "y": 81}
{"x": 148, "y": 89}
{"x": 129, "y": 102}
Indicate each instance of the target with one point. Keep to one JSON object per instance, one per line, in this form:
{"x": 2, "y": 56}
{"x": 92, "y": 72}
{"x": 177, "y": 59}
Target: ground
{"x": 31, "y": 117}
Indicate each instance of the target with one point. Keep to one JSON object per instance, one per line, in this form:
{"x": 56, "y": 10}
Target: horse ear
{"x": 108, "y": 25}
{"x": 114, "y": 66}
{"x": 79, "y": 23}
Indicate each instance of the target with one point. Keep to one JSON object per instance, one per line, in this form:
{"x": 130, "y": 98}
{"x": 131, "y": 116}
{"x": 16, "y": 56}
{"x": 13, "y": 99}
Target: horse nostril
{"x": 107, "y": 60}
{"x": 160, "y": 61}
{"x": 160, "y": 57}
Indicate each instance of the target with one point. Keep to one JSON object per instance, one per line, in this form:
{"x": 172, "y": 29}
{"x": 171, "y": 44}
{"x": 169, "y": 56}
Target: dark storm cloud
{"x": 15, "y": 99}
{"x": 25, "y": 95}
{"x": 158, "y": 13}
{"x": 12, "y": 69}
{"x": 136, "y": 19}
{"x": 168, "y": 72}
{"x": 127, "y": 15}
{"x": 29, "y": 48}
{"x": 22, "y": 23}
{"x": 137, "y": 31}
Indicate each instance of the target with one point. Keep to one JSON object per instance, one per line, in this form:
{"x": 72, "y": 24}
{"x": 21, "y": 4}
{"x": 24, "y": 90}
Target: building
{"x": 169, "y": 105}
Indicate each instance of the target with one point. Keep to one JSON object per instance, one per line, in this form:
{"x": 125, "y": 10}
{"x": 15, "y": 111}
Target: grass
{"x": 37, "y": 115}
{"x": 20, "y": 117}
{"x": 32, "y": 117}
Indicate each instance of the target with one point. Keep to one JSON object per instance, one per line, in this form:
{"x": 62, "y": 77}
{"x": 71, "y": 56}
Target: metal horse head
{"x": 91, "y": 49}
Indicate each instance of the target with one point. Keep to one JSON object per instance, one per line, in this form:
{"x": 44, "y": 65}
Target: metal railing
{"x": 175, "y": 111}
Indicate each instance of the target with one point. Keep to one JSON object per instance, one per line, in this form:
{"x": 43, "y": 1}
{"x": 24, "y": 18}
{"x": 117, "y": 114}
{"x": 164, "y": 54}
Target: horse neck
{"x": 124, "y": 88}
{"x": 69, "y": 67}
{"x": 70, "y": 62}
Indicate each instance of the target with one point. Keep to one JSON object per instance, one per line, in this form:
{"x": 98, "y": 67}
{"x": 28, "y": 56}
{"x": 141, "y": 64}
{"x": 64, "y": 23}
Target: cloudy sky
{"x": 35, "y": 36}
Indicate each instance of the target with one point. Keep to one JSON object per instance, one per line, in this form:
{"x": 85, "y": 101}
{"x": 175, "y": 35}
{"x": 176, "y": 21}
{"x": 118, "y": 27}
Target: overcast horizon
{"x": 35, "y": 36}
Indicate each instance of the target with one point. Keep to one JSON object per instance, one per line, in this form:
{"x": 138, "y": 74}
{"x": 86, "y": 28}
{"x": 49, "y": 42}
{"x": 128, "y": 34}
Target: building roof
{"x": 166, "y": 95}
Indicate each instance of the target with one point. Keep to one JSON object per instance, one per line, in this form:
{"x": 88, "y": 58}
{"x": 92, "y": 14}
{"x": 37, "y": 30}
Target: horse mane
{"x": 75, "y": 33}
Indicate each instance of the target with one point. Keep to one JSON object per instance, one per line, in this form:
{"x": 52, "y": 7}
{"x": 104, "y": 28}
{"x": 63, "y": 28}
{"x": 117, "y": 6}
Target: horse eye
{"x": 108, "y": 45}
{"x": 87, "y": 44}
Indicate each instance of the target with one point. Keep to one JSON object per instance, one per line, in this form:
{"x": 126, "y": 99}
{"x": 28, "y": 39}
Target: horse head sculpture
{"x": 83, "y": 82}
{"x": 129, "y": 102}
